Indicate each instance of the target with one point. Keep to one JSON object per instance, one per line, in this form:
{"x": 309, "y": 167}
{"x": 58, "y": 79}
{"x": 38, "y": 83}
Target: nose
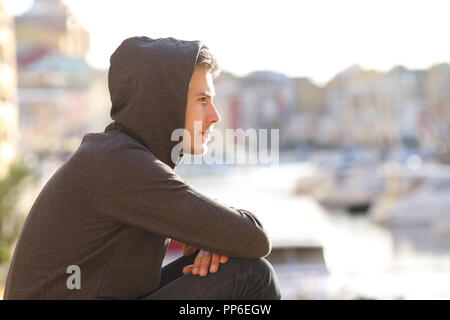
{"x": 214, "y": 116}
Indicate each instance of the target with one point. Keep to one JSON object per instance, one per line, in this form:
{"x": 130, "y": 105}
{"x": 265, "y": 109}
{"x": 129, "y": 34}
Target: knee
{"x": 262, "y": 270}
{"x": 261, "y": 267}
{"x": 265, "y": 270}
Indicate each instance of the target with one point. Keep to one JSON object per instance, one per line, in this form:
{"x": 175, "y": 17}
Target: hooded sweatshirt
{"x": 100, "y": 227}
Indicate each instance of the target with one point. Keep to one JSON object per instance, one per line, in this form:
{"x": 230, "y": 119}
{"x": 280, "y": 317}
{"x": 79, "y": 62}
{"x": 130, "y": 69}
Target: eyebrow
{"x": 205, "y": 93}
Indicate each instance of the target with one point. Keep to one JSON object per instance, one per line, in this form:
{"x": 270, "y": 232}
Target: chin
{"x": 204, "y": 149}
{"x": 201, "y": 150}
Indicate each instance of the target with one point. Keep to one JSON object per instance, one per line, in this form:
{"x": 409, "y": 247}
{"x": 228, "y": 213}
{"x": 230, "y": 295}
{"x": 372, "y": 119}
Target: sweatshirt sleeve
{"x": 139, "y": 190}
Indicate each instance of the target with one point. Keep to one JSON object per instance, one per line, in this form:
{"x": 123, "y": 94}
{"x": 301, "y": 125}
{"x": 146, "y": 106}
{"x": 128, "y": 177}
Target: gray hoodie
{"x": 113, "y": 206}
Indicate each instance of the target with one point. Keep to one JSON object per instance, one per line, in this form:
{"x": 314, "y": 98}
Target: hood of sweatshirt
{"x": 148, "y": 82}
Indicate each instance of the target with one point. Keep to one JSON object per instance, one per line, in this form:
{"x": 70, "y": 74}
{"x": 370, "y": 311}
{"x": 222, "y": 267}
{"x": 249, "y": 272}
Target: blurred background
{"x": 359, "y": 205}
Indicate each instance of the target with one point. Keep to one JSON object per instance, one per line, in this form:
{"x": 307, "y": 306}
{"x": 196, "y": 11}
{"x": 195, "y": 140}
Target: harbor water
{"x": 361, "y": 259}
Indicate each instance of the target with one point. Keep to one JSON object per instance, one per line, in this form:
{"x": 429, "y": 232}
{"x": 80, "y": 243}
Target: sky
{"x": 314, "y": 39}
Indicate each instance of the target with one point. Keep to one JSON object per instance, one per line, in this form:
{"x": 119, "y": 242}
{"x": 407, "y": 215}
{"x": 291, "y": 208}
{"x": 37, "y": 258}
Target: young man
{"x": 100, "y": 227}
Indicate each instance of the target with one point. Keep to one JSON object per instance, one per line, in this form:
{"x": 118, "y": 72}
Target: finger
{"x": 214, "y": 263}
{"x": 188, "y": 269}
{"x": 224, "y": 259}
{"x": 197, "y": 262}
{"x": 204, "y": 264}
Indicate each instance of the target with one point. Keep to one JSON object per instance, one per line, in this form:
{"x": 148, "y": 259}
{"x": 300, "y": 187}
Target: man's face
{"x": 199, "y": 108}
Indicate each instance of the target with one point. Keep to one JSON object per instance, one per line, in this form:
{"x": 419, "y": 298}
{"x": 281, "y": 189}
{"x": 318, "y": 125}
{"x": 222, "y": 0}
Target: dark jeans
{"x": 238, "y": 279}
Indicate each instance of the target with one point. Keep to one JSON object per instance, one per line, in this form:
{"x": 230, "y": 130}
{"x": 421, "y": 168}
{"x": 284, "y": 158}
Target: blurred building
{"x": 355, "y": 104}
{"x": 372, "y": 109}
{"x": 260, "y": 100}
{"x": 54, "y": 105}
{"x": 227, "y": 102}
{"x": 302, "y": 127}
{"x": 436, "y": 121}
{"x": 8, "y": 92}
{"x": 406, "y": 94}
{"x": 310, "y": 98}
{"x": 60, "y": 95}
{"x": 226, "y": 87}
{"x": 267, "y": 101}
{"x": 401, "y": 108}
{"x": 49, "y": 26}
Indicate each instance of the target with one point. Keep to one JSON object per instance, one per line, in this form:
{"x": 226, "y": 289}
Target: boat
{"x": 415, "y": 198}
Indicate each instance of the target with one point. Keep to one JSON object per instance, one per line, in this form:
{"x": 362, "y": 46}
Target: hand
{"x": 203, "y": 261}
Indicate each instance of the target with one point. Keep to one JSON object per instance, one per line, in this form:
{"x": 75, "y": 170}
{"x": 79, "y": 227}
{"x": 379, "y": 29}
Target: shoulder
{"x": 122, "y": 155}
{"x": 114, "y": 146}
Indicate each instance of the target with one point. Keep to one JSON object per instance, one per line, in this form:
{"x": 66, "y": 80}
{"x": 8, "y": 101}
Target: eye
{"x": 204, "y": 99}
